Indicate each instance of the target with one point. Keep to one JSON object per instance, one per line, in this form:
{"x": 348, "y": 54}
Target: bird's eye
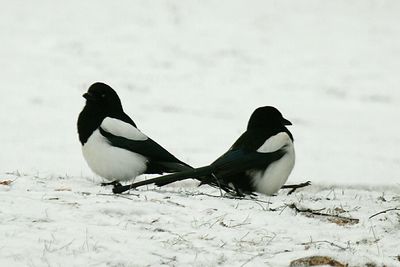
{"x": 103, "y": 95}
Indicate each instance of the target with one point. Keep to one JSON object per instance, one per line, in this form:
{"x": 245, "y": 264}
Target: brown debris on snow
{"x": 6, "y": 182}
{"x": 316, "y": 261}
{"x": 343, "y": 220}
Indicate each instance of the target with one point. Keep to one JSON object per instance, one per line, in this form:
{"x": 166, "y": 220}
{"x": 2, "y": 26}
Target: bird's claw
{"x": 115, "y": 183}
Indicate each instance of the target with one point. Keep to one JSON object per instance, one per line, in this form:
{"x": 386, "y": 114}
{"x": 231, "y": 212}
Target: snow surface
{"x": 190, "y": 73}
{"x": 67, "y": 221}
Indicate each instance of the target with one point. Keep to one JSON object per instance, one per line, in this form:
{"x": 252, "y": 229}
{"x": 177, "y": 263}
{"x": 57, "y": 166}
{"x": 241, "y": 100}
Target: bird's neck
{"x": 88, "y": 121}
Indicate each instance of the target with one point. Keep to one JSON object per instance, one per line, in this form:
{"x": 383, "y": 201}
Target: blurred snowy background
{"x": 191, "y": 72}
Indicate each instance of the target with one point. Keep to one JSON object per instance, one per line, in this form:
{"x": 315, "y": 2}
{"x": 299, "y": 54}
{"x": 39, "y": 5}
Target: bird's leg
{"x": 238, "y": 191}
{"x": 114, "y": 183}
{"x": 219, "y": 185}
{"x": 294, "y": 187}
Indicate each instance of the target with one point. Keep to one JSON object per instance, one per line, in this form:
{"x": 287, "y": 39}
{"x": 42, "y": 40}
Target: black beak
{"x": 88, "y": 96}
{"x": 286, "y": 122}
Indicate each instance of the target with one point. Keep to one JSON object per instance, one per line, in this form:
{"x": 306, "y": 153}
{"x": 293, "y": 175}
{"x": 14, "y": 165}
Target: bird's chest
{"x": 275, "y": 175}
{"x": 111, "y": 162}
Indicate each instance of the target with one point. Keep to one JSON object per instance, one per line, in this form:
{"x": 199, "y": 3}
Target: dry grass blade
{"x": 61, "y": 189}
{"x": 324, "y": 241}
{"x": 381, "y": 212}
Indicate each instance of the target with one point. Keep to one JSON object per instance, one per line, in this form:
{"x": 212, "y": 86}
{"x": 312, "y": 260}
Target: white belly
{"x": 110, "y": 162}
{"x": 269, "y": 181}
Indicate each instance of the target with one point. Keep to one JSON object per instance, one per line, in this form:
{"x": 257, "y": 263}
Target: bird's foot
{"x": 240, "y": 194}
{"x": 294, "y": 187}
{"x": 118, "y": 189}
{"x": 114, "y": 183}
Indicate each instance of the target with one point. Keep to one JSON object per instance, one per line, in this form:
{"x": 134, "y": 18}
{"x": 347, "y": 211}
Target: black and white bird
{"x": 112, "y": 145}
{"x": 261, "y": 160}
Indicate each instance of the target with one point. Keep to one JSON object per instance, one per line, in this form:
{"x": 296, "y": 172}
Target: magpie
{"x": 112, "y": 145}
{"x": 261, "y": 160}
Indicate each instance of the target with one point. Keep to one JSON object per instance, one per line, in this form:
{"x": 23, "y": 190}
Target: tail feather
{"x": 167, "y": 179}
{"x": 179, "y": 176}
{"x": 175, "y": 166}
{"x": 194, "y": 174}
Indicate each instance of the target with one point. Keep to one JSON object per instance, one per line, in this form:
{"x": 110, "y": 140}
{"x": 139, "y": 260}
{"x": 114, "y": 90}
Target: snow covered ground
{"x": 67, "y": 221}
{"x": 190, "y": 73}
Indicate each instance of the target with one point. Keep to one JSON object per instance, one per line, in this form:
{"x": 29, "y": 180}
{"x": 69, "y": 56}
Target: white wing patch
{"x": 275, "y": 143}
{"x": 123, "y": 129}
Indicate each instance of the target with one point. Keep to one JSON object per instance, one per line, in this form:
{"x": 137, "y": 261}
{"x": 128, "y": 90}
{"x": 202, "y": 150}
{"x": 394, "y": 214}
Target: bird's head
{"x": 266, "y": 117}
{"x": 103, "y": 98}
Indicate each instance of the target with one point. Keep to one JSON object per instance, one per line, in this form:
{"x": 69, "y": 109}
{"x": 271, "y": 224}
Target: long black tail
{"x": 197, "y": 173}
{"x": 179, "y": 176}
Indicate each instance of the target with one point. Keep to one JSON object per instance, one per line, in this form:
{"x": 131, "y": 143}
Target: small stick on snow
{"x": 381, "y": 212}
{"x": 324, "y": 241}
{"x": 119, "y": 196}
{"x": 318, "y": 213}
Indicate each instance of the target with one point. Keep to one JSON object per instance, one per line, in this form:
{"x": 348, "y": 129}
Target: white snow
{"x": 68, "y": 221}
{"x": 190, "y": 73}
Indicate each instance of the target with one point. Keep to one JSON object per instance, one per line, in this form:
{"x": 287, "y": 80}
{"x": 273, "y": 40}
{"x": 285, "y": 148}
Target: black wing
{"x": 230, "y": 168}
{"x": 235, "y": 161}
{"x": 160, "y": 160}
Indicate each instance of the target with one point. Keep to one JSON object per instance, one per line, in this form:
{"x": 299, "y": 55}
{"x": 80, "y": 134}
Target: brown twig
{"x": 318, "y": 213}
